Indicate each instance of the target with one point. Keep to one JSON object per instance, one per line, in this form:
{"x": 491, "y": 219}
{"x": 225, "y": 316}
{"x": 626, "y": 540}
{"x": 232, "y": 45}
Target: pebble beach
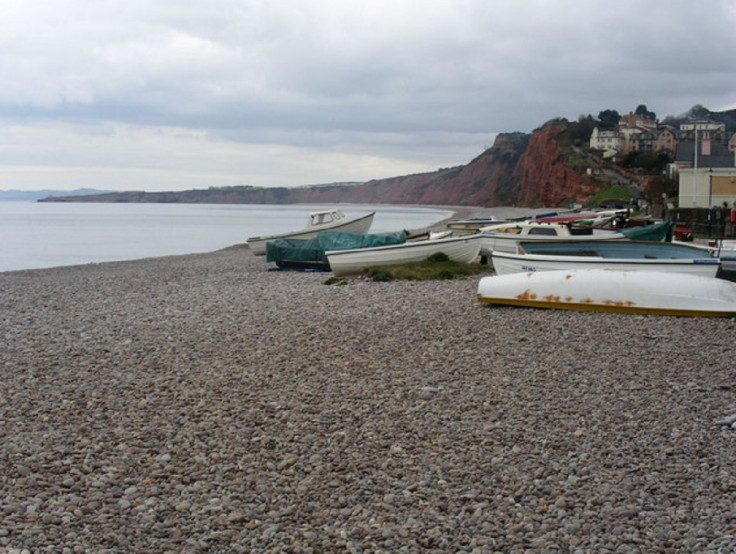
{"x": 207, "y": 403}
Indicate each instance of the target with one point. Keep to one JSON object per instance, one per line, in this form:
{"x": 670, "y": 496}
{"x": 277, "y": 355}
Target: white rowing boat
{"x": 610, "y": 290}
{"x": 463, "y": 249}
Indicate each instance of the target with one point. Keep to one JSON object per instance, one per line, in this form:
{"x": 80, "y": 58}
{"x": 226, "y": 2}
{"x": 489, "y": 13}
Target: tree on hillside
{"x": 658, "y": 185}
{"x": 674, "y": 121}
{"x": 698, "y": 112}
{"x": 582, "y": 130}
{"x": 641, "y": 109}
{"x": 652, "y": 162}
{"x": 609, "y": 119}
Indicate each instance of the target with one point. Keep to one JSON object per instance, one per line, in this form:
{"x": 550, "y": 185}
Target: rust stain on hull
{"x": 527, "y": 295}
{"x": 620, "y": 303}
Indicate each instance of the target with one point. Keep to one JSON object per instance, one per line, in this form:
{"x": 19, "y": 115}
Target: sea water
{"x": 39, "y": 235}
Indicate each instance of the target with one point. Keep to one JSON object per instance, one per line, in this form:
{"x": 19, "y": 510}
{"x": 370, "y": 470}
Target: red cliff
{"x": 544, "y": 175}
{"x": 518, "y": 170}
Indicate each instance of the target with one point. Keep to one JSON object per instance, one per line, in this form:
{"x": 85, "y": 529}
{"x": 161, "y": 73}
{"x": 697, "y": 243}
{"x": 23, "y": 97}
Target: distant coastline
{"x": 15, "y": 195}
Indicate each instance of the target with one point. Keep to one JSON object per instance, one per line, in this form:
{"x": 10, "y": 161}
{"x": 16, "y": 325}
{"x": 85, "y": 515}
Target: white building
{"x": 611, "y": 142}
{"x": 707, "y": 187}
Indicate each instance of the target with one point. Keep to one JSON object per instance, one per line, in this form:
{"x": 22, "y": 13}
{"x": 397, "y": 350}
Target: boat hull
{"x": 623, "y": 255}
{"x": 507, "y": 242}
{"x": 726, "y": 251}
{"x": 728, "y": 262}
{"x": 505, "y": 263}
{"x": 359, "y": 225}
{"x": 463, "y": 249}
{"x": 617, "y": 291}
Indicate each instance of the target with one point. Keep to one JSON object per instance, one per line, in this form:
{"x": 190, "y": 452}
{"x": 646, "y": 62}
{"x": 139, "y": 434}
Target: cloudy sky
{"x": 179, "y": 94}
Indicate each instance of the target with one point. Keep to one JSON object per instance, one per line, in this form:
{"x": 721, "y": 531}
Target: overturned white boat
{"x": 463, "y": 249}
{"x": 328, "y": 220}
{"x": 613, "y": 290}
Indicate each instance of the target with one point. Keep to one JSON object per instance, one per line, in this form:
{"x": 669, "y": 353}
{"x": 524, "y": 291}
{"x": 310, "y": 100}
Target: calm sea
{"x": 39, "y": 235}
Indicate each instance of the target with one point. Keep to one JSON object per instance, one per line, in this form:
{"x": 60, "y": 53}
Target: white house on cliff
{"x": 619, "y": 141}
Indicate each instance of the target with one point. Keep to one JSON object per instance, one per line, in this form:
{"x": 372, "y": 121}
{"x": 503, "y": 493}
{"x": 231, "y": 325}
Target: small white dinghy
{"x": 613, "y": 290}
{"x": 462, "y": 249}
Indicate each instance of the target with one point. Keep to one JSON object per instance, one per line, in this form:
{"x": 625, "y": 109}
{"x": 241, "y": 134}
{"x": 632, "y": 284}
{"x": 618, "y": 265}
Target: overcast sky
{"x": 180, "y": 94}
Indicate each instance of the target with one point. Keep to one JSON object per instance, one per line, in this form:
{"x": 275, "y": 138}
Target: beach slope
{"x": 206, "y": 404}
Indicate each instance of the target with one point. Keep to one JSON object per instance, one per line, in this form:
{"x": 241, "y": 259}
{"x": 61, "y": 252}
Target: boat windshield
{"x": 321, "y": 218}
{"x": 543, "y": 231}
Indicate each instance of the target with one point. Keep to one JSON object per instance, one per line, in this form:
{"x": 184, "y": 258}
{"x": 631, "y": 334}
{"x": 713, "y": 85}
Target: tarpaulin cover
{"x": 655, "y": 232}
{"x": 313, "y": 250}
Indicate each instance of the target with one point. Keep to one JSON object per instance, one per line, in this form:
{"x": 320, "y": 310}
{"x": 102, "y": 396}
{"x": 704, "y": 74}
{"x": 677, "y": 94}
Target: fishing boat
{"x": 566, "y": 255}
{"x": 613, "y": 290}
{"x": 327, "y": 220}
{"x": 504, "y": 237}
{"x": 463, "y": 249}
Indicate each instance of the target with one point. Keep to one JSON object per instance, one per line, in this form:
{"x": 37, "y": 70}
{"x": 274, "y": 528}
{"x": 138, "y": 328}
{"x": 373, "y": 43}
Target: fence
{"x": 706, "y": 223}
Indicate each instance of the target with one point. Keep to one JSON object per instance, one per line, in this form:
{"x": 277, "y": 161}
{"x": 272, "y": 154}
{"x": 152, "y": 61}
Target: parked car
{"x": 683, "y": 232}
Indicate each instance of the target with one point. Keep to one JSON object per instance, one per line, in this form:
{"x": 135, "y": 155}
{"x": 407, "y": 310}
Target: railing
{"x": 706, "y": 223}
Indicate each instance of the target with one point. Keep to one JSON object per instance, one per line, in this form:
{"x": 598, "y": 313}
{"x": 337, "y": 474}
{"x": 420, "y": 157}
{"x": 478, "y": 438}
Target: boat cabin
{"x": 317, "y": 219}
{"x": 537, "y": 228}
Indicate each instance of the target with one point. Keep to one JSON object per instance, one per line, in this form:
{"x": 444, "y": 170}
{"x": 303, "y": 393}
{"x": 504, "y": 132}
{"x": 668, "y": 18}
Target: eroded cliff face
{"x": 518, "y": 170}
{"x": 488, "y": 180}
{"x": 542, "y": 174}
